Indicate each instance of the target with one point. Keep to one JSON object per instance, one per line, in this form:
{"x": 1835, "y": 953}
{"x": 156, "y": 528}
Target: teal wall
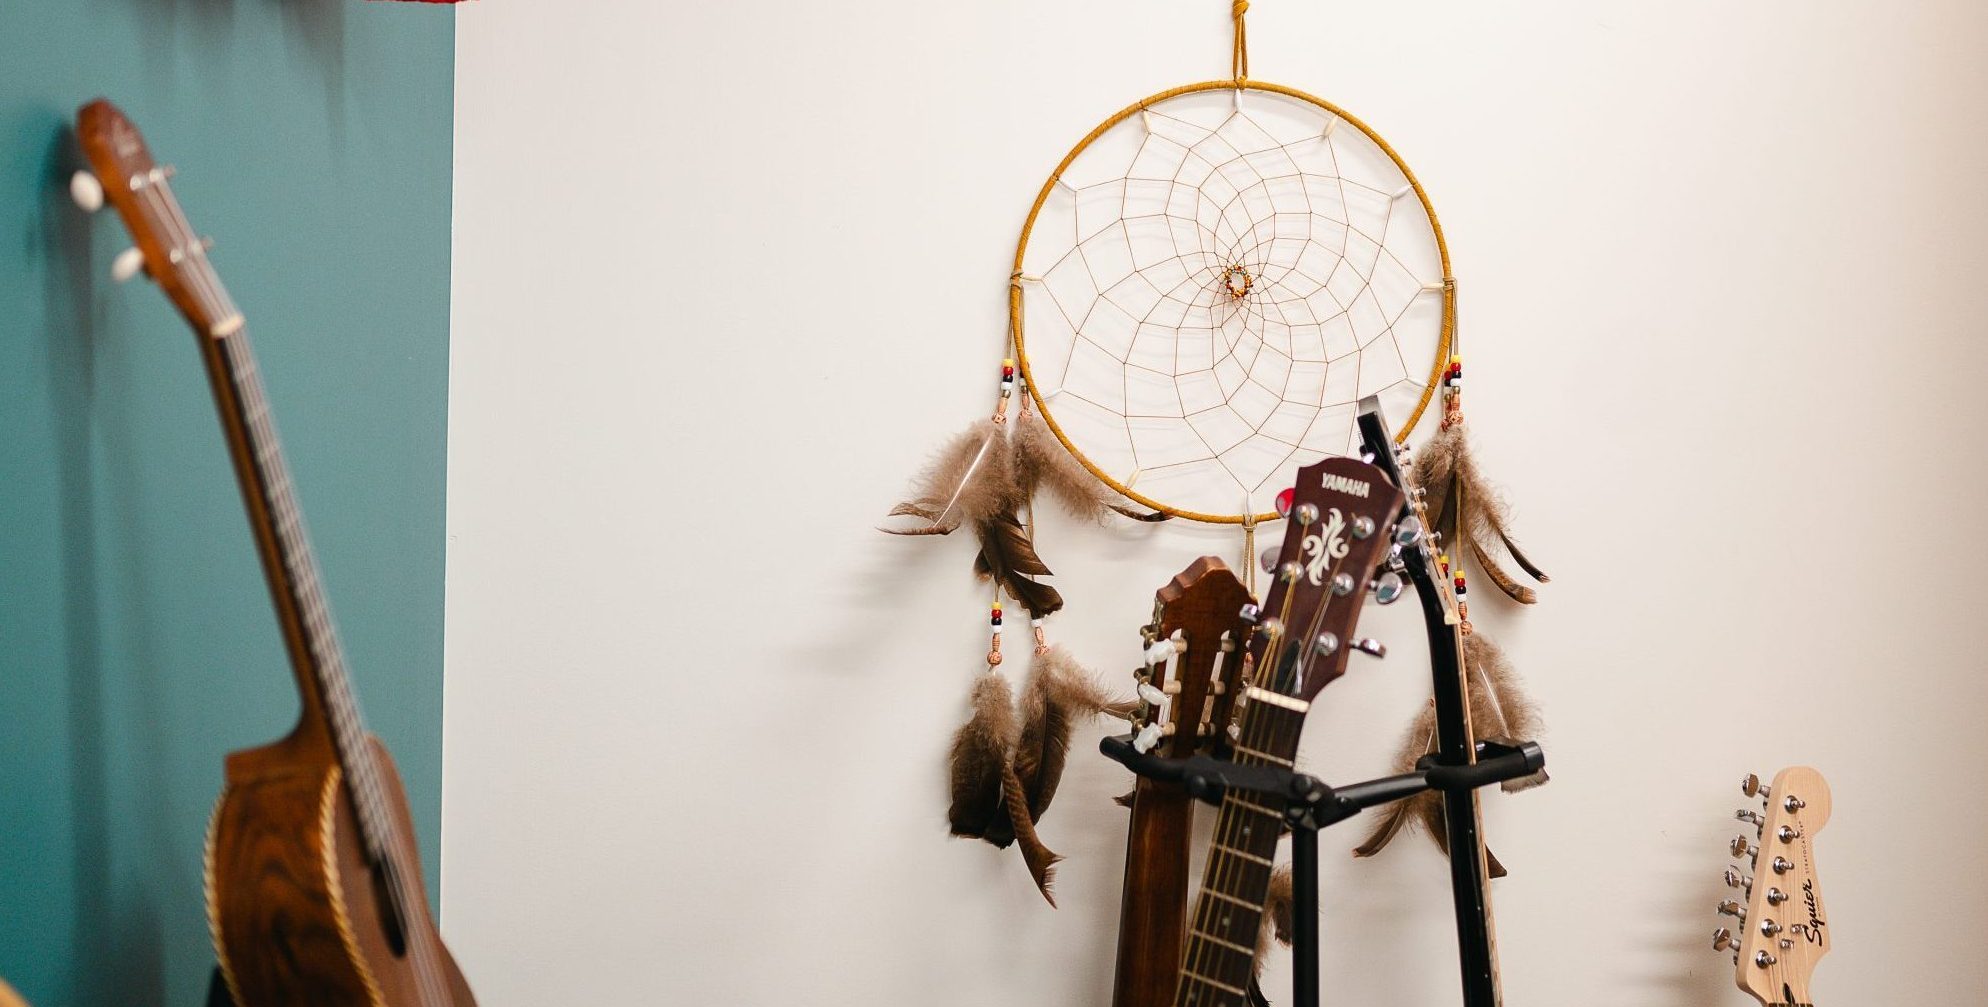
{"x": 137, "y": 645}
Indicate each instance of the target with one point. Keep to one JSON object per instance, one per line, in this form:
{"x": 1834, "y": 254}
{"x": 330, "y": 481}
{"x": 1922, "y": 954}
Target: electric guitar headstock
{"x": 123, "y": 173}
{"x": 1197, "y": 632}
{"x": 1418, "y": 556}
{"x": 1340, "y": 520}
{"x": 1781, "y": 929}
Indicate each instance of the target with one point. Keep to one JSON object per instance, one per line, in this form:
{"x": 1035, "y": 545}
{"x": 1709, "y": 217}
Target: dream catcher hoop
{"x": 1210, "y": 281}
{"x": 1203, "y": 291}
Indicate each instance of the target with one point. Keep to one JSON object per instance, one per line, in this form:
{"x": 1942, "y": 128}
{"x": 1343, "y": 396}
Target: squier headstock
{"x": 1197, "y": 632}
{"x": 1782, "y": 927}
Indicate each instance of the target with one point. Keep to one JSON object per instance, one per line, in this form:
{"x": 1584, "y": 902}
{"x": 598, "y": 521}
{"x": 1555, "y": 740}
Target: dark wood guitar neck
{"x": 330, "y": 708}
{"x": 1221, "y": 943}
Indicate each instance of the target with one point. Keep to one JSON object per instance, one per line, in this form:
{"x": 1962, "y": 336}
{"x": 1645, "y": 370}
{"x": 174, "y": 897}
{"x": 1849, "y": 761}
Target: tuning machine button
{"x": 1722, "y": 940}
{"x": 1408, "y": 531}
{"x": 129, "y": 263}
{"x": 1146, "y": 738}
{"x": 86, "y": 191}
{"x": 1268, "y": 559}
{"x": 1751, "y": 816}
{"x": 1751, "y": 786}
{"x": 1733, "y": 909}
{"x": 1371, "y": 647}
{"x": 1734, "y": 879}
{"x": 1152, "y": 696}
{"x": 1388, "y": 588}
{"x": 1740, "y": 847}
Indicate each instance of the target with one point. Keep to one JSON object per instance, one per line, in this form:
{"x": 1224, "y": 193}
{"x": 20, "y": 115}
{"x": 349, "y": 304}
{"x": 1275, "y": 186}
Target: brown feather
{"x": 1042, "y": 461}
{"x": 1419, "y": 740}
{"x": 979, "y": 757}
{"x": 1496, "y": 574}
{"x": 1498, "y": 685}
{"x": 969, "y": 480}
{"x": 1041, "y": 862}
{"x": 1007, "y": 556}
{"x": 1059, "y": 695}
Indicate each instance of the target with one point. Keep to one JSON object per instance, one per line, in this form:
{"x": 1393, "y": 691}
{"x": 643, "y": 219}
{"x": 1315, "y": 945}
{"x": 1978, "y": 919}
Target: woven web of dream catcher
{"x": 1211, "y": 284}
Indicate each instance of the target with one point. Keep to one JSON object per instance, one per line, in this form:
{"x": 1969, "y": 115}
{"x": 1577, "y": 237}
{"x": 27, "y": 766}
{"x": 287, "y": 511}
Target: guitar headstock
{"x": 124, "y": 174}
{"x": 1418, "y": 556}
{"x": 1782, "y": 929}
{"x": 1340, "y": 517}
{"x": 1198, "y": 632}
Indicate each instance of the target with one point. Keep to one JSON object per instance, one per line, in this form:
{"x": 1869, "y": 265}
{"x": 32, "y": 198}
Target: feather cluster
{"x": 1499, "y": 711}
{"x": 983, "y": 479}
{"x": 1469, "y": 513}
{"x": 1005, "y": 768}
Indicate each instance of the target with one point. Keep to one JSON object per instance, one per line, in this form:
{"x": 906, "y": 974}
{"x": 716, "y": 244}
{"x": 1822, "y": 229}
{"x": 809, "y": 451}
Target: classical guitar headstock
{"x": 1197, "y": 632}
{"x": 1781, "y": 929}
{"x": 123, "y": 173}
{"x": 1340, "y": 517}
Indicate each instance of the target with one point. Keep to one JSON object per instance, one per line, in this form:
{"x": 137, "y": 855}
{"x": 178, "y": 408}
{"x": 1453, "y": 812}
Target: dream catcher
{"x": 1203, "y": 291}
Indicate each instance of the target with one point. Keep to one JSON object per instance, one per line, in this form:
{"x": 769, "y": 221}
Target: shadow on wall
{"x": 114, "y": 950}
{"x": 313, "y": 31}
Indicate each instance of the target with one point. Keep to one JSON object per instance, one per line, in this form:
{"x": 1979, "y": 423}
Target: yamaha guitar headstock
{"x": 1340, "y": 516}
{"x": 1197, "y": 633}
{"x": 1780, "y": 929}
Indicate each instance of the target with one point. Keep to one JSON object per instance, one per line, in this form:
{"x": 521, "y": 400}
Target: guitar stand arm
{"x": 1312, "y": 805}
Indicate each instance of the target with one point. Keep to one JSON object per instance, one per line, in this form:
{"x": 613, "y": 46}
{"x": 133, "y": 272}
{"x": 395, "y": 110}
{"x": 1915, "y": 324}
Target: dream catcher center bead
{"x": 1236, "y": 281}
{"x": 1209, "y": 283}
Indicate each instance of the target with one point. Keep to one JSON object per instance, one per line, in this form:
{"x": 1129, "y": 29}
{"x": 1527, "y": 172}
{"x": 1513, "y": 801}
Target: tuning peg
{"x": 129, "y": 263}
{"x": 1739, "y": 847}
{"x": 1751, "y": 786}
{"x": 1750, "y": 816}
{"x": 1371, "y": 647}
{"x": 1146, "y": 738}
{"x": 1408, "y": 531}
{"x": 1735, "y": 879}
{"x": 1733, "y": 909}
{"x": 1160, "y": 651}
{"x": 1151, "y": 696}
{"x": 86, "y": 191}
{"x": 1781, "y": 865}
{"x": 1762, "y": 959}
{"x": 1268, "y": 560}
{"x": 1722, "y": 940}
{"x": 1794, "y": 804}
{"x": 1787, "y": 834}
{"x": 1327, "y": 644}
{"x": 1388, "y": 588}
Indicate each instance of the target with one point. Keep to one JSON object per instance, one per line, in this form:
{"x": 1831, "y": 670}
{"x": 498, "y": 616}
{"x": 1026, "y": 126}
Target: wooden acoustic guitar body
{"x": 293, "y": 904}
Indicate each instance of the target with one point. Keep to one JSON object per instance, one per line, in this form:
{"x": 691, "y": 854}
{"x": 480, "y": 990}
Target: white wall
{"x": 725, "y": 272}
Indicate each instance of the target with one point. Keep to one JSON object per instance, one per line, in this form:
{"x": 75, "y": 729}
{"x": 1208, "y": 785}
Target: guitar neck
{"x": 330, "y": 708}
{"x": 1456, "y": 744}
{"x": 1221, "y": 940}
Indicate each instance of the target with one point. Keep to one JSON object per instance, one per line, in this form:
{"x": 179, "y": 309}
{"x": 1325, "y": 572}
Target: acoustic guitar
{"x": 1340, "y": 524}
{"x": 1197, "y": 633}
{"x": 1783, "y": 930}
{"x": 314, "y": 886}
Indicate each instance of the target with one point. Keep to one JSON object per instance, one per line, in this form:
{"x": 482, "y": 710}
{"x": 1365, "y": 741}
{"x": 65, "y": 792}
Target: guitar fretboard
{"x": 1221, "y": 940}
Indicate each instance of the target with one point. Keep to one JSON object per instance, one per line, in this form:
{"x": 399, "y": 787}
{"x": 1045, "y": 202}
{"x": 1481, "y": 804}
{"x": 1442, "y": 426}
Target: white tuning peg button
{"x": 86, "y": 191}
{"x": 1147, "y": 737}
{"x": 1152, "y": 696}
{"x": 129, "y": 263}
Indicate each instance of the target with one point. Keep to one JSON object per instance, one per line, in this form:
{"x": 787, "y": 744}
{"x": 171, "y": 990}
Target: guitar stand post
{"x": 1312, "y": 805}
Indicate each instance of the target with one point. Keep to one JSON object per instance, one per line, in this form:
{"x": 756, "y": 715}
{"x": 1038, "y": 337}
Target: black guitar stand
{"x": 1312, "y": 805}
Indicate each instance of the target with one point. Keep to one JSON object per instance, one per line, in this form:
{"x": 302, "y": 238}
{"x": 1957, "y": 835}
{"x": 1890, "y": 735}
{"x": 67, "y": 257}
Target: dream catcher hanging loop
{"x": 1209, "y": 282}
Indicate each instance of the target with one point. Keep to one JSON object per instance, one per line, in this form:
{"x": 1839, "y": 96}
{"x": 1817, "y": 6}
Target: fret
{"x": 1257, "y": 694}
{"x": 1231, "y": 945}
{"x": 1230, "y": 851}
{"x": 1226, "y": 897}
{"x": 1261, "y": 809}
{"x": 1217, "y": 983}
{"x": 1264, "y": 756}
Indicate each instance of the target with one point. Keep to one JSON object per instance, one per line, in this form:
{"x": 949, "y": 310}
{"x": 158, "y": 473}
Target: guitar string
{"x": 1228, "y": 824}
{"x": 295, "y": 544}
